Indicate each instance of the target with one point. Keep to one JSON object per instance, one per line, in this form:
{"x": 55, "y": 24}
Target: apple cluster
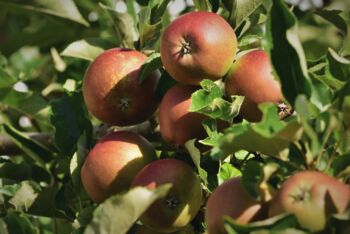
{"x": 195, "y": 46}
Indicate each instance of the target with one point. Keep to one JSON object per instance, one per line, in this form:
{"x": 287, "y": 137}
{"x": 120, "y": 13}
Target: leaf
{"x": 228, "y": 171}
{"x": 124, "y": 26}
{"x": 6, "y": 80}
{"x": 151, "y": 65}
{"x": 158, "y": 9}
{"x": 196, "y": 158}
{"x": 149, "y": 32}
{"x": 272, "y": 225}
{"x": 340, "y": 163}
{"x": 70, "y": 119}
{"x": 210, "y": 126}
{"x": 33, "y": 149}
{"x": 63, "y": 8}
{"x": 24, "y": 196}
{"x": 337, "y": 68}
{"x": 271, "y": 136}
{"x": 209, "y": 101}
{"x": 202, "y": 5}
{"x": 118, "y": 213}
{"x": 244, "y": 8}
{"x": 252, "y": 173}
{"x": 164, "y": 84}
{"x": 18, "y": 223}
{"x": 334, "y": 17}
{"x": 286, "y": 52}
{"x": 87, "y": 49}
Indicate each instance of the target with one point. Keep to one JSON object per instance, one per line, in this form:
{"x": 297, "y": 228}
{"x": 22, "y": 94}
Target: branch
{"x": 8, "y": 147}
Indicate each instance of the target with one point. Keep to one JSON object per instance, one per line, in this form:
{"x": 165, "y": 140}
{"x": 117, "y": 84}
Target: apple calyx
{"x": 301, "y": 196}
{"x": 185, "y": 47}
{"x": 123, "y": 104}
{"x": 171, "y": 202}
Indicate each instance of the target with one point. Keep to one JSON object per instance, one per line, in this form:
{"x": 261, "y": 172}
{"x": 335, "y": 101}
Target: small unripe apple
{"x": 113, "y": 163}
{"x": 312, "y": 197}
{"x": 231, "y": 199}
{"x": 177, "y": 124}
{"x": 197, "y": 46}
{"x": 182, "y": 202}
{"x": 251, "y": 76}
{"x": 112, "y": 91}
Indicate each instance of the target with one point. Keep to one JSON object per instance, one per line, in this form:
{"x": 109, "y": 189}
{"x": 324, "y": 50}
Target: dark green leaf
{"x": 228, "y": 171}
{"x": 287, "y": 54}
{"x": 202, "y": 5}
{"x": 340, "y": 163}
{"x": 252, "y": 174}
{"x": 196, "y": 158}
{"x": 118, "y": 213}
{"x": 64, "y": 8}
{"x": 70, "y": 119}
{"x": 149, "y": 32}
{"x": 19, "y": 223}
{"x": 151, "y": 65}
{"x": 164, "y": 84}
{"x": 244, "y": 8}
{"x": 337, "y": 67}
{"x": 33, "y": 149}
{"x": 334, "y": 17}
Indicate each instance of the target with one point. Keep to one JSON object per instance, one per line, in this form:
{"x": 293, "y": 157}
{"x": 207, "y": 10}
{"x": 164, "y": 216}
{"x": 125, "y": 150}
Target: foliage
{"x": 45, "y": 48}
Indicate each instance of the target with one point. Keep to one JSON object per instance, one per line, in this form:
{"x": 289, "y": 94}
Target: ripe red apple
{"x": 196, "y": 46}
{"x": 251, "y": 76}
{"x": 183, "y": 201}
{"x": 177, "y": 124}
{"x": 112, "y": 91}
{"x": 113, "y": 163}
{"x": 230, "y": 199}
{"x": 311, "y": 196}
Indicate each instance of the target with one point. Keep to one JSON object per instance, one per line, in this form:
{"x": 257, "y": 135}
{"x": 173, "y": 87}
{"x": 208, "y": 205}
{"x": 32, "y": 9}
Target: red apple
{"x": 311, "y": 196}
{"x": 113, "y": 163}
{"x": 251, "y": 76}
{"x": 177, "y": 124}
{"x": 112, "y": 91}
{"x": 231, "y": 199}
{"x": 196, "y": 46}
{"x": 183, "y": 201}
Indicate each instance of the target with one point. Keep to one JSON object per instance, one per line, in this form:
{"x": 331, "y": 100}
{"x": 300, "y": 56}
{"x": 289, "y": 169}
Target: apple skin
{"x": 112, "y": 92}
{"x": 251, "y": 76}
{"x": 230, "y": 199}
{"x": 177, "y": 124}
{"x": 113, "y": 163}
{"x": 196, "y": 46}
{"x": 311, "y": 196}
{"x": 183, "y": 201}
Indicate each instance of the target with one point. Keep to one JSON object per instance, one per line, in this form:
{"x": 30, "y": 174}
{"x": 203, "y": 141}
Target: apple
{"x": 196, "y": 46}
{"x": 251, "y": 76}
{"x": 177, "y": 124}
{"x": 231, "y": 199}
{"x": 113, "y": 163}
{"x": 311, "y": 196}
{"x": 112, "y": 91}
{"x": 183, "y": 201}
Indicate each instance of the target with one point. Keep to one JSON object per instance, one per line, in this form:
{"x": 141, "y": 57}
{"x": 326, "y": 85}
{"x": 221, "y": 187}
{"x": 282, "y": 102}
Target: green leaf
{"x": 252, "y": 173}
{"x": 25, "y": 196}
{"x": 64, "y": 8}
{"x": 33, "y": 149}
{"x": 87, "y": 49}
{"x": 286, "y": 52}
{"x": 158, "y": 9}
{"x": 337, "y": 68}
{"x": 228, "y": 171}
{"x": 124, "y": 26}
{"x": 250, "y": 42}
{"x": 210, "y": 126}
{"x": 272, "y": 225}
{"x": 151, "y": 65}
{"x": 18, "y": 223}
{"x": 244, "y": 8}
{"x": 149, "y": 32}
{"x": 6, "y": 80}
{"x": 334, "y": 17}
{"x": 202, "y": 5}
{"x": 164, "y": 84}
{"x": 209, "y": 101}
{"x": 70, "y": 119}
{"x": 118, "y": 213}
{"x": 271, "y": 136}
{"x": 340, "y": 164}
{"x": 196, "y": 158}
